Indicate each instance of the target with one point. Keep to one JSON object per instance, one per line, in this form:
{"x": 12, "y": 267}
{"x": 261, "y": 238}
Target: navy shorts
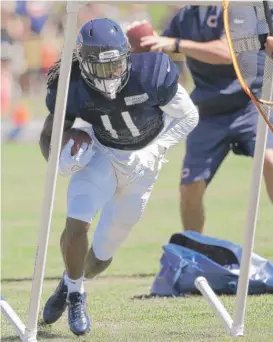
{"x": 212, "y": 139}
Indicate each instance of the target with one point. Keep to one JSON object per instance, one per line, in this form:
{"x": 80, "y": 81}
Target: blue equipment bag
{"x": 189, "y": 255}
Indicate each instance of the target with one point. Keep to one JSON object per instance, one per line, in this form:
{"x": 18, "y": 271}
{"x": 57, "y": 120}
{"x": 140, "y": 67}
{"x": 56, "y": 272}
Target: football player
{"x": 228, "y": 118}
{"x": 137, "y": 111}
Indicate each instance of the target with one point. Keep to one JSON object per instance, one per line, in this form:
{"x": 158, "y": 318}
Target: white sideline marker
{"x": 12, "y": 317}
{"x": 237, "y": 327}
{"x": 203, "y": 286}
{"x": 29, "y": 333}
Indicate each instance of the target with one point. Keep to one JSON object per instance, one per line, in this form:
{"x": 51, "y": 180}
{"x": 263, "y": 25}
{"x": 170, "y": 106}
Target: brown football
{"x": 79, "y": 136}
{"x": 135, "y": 34}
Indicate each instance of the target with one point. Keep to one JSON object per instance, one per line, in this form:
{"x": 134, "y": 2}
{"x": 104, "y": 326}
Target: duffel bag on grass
{"x": 189, "y": 255}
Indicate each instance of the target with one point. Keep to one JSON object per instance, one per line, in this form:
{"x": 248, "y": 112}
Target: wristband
{"x": 177, "y": 42}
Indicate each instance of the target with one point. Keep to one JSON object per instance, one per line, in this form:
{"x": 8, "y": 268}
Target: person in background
{"x": 11, "y": 106}
{"x": 228, "y": 118}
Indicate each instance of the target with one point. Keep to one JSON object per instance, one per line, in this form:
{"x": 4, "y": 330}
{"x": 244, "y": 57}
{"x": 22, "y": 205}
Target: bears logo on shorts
{"x": 185, "y": 173}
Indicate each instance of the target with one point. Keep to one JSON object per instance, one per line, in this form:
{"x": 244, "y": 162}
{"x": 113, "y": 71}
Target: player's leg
{"x": 244, "y": 137}
{"x": 74, "y": 245}
{"x": 93, "y": 266}
{"x": 268, "y": 169}
{"x": 192, "y": 211}
{"x": 118, "y": 218}
{"x": 206, "y": 147}
{"x": 268, "y": 163}
{"x": 88, "y": 191}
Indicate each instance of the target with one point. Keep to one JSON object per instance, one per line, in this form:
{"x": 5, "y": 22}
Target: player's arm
{"x": 181, "y": 115}
{"x": 76, "y": 150}
{"x": 181, "y": 118}
{"x": 45, "y": 136}
{"x": 213, "y": 52}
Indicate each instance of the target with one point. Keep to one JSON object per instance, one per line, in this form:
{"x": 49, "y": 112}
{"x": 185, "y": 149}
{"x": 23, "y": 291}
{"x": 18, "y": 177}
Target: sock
{"x": 74, "y": 285}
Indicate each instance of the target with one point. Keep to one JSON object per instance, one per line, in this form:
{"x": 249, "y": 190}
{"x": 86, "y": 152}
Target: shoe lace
{"x": 61, "y": 296}
{"x": 77, "y": 307}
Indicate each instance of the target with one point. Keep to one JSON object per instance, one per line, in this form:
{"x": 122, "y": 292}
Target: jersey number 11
{"x": 128, "y": 121}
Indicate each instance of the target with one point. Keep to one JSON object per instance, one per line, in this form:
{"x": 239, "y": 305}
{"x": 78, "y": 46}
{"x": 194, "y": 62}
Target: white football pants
{"x": 118, "y": 183}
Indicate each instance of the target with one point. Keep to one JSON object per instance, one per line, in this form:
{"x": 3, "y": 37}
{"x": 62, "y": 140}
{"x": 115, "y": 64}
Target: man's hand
{"x": 269, "y": 46}
{"x": 79, "y": 138}
{"x": 76, "y": 153}
{"x": 135, "y": 31}
{"x": 158, "y": 44}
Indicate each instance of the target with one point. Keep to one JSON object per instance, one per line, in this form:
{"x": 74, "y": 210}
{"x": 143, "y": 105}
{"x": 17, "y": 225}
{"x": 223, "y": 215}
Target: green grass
{"x": 113, "y": 299}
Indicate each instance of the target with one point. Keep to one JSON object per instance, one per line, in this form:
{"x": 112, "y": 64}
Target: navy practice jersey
{"x": 133, "y": 119}
{"x": 217, "y": 89}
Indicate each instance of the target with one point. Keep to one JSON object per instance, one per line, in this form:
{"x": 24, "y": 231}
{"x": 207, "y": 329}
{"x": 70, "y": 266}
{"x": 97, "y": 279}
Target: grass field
{"x": 114, "y": 298}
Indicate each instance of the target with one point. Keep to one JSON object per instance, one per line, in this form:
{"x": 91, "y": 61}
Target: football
{"x": 79, "y": 136}
{"x": 135, "y": 32}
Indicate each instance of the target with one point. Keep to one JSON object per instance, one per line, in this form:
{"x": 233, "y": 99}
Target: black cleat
{"x": 56, "y": 304}
{"x": 78, "y": 319}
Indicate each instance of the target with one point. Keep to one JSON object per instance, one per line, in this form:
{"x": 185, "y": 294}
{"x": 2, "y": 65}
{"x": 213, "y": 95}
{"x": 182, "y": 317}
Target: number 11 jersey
{"x": 134, "y": 118}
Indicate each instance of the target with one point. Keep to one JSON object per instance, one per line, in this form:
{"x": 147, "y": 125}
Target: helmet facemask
{"x": 107, "y": 73}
